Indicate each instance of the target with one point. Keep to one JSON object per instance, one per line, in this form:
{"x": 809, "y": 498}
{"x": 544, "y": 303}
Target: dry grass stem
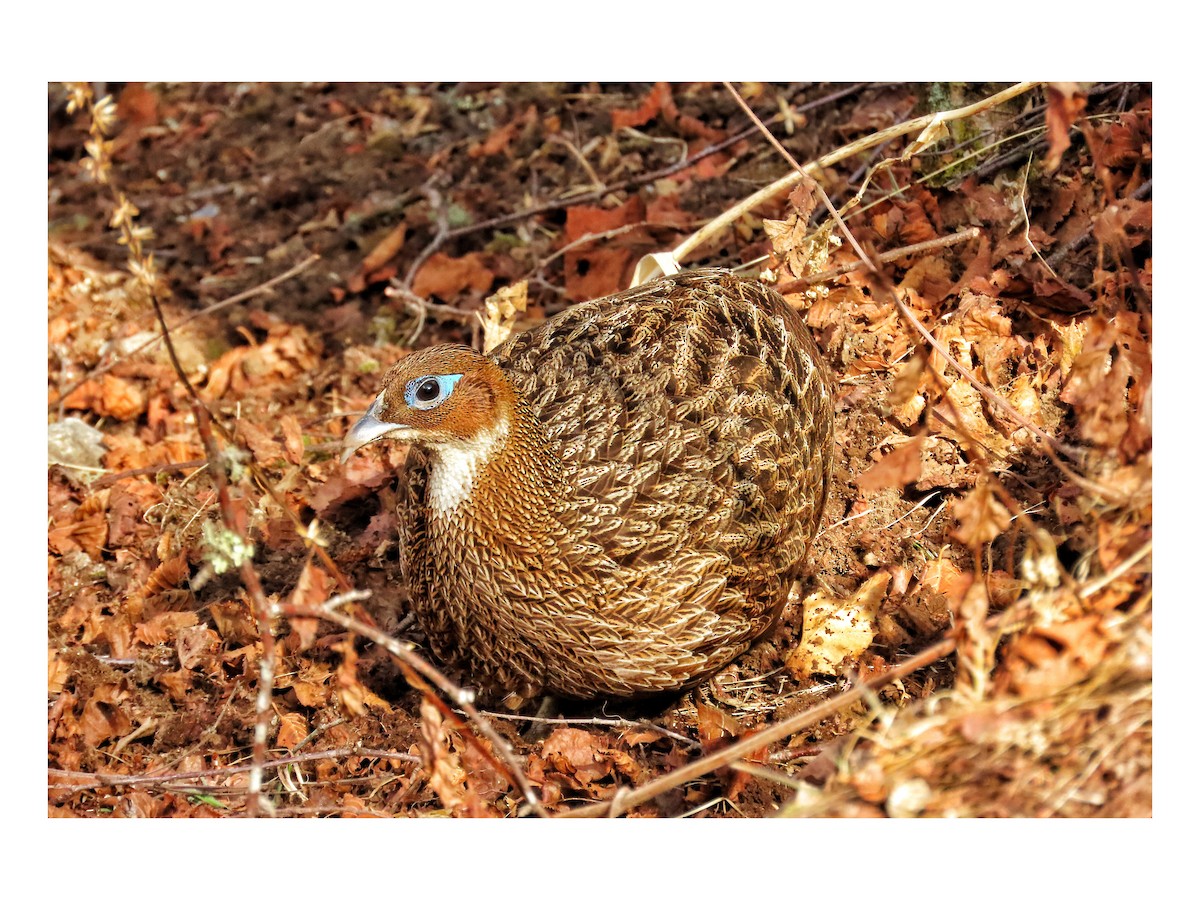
{"x": 923, "y": 123}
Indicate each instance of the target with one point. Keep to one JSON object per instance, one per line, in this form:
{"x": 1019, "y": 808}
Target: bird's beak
{"x": 369, "y": 428}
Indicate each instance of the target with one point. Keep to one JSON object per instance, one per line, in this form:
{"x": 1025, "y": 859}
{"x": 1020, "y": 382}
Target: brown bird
{"x": 616, "y": 502}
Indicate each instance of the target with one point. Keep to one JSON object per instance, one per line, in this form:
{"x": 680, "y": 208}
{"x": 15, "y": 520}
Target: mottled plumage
{"x": 616, "y": 502}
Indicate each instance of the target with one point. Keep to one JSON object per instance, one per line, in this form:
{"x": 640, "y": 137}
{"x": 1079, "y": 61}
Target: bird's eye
{"x": 429, "y": 391}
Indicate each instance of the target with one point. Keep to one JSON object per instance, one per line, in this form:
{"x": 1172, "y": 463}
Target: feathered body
{"x": 616, "y": 502}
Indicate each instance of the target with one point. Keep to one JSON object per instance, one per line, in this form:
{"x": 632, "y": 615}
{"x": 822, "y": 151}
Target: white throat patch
{"x": 455, "y": 467}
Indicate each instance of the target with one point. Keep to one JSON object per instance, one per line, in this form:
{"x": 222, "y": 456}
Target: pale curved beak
{"x": 370, "y": 428}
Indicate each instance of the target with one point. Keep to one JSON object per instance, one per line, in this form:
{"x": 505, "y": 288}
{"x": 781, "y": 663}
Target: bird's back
{"x": 687, "y": 412}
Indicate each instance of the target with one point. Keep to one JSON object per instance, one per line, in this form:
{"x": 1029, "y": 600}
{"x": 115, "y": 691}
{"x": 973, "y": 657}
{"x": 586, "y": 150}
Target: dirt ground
{"x": 990, "y": 504}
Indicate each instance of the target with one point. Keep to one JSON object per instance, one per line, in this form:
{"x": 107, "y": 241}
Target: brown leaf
{"x": 166, "y": 577}
{"x": 178, "y": 684}
{"x": 293, "y": 728}
{"x": 87, "y": 530}
{"x": 447, "y": 277}
{"x": 392, "y": 243}
{"x": 293, "y": 439}
{"x": 584, "y": 220}
{"x": 104, "y": 716}
{"x": 714, "y": 725}
{"x": 234, "y": 621}
{"x": 1098, "y": 385}
{"x": 980, "y": 515}
{"x": 962, "y": 407}
{"x": 498, "y": 141}
{"x": 446, "y": 775}
{"x": 907, "y": 383}
{"x": 578, "y": 754}
{"x": 1065, "y": 101}
{"x": 899, "y": 468}
{"x": 163, "y": 627}
{"x": 312, "y": 686}
{"x": 193, "y": 645}
{"x": 944, "y": 578}
{"x": 265, "y": 449}
{"x": 353, "y": 694}
{"x": 665, "y": 210}
{"x": 1125, "y": 224}
{"x": 655, "y": 101}
{"x": 1049, "y": 658}
{"x": 127, "y": 506}
{"x": 58, "y": 671}
{"x": 110, "y": 396}
{"x": 598, "y": 273}
{"x": 484, "y": 783}
{"x": 138, "y": 106}
{"x": 312, "y": 589}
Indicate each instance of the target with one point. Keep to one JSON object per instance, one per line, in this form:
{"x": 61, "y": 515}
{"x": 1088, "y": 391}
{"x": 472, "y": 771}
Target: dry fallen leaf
{"x": 447, "y": 277}
{"x": 446, "y": 776}
{"x": 837, "y": 632}
{"x": 899, "y": 468}
{"x": 502, "y": 309}
{"x": 980, "y": 515}
{"x": 1065, "y": 101}
{"x": 353, "y": 694}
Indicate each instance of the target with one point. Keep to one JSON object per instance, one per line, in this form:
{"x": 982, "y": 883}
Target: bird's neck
{"x": 506, "y": 472}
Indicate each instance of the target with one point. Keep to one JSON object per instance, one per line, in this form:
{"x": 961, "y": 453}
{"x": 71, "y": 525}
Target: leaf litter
{"x": 950, "y": 517}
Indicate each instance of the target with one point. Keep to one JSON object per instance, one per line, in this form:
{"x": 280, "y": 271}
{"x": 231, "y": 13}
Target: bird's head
{"x": 441, "y": 397}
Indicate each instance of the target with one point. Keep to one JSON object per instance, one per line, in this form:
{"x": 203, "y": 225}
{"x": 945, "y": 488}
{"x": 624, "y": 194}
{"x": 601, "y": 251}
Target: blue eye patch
{"x": 429, "y": 391}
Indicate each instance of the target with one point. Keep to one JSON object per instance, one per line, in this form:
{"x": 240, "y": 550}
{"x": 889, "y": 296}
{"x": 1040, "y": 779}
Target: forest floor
{"x": 973, "y": 637}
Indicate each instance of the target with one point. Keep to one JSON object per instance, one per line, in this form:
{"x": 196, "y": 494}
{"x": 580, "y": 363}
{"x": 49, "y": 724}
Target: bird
{"x": 617, "y": 501}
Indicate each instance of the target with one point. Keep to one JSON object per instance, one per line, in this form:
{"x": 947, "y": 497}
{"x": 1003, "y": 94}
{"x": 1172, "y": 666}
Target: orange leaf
{"x": 658, "y": 98}
{"x": 111, "y": 396}
{"x": 293, "y": 728}
{"x": 1064, "y": 104}
{"x": 392, "y": 243}
{"x": 900, "y": 467}
{"x": 981, "y": 517}
{"x": 448, "y": 276}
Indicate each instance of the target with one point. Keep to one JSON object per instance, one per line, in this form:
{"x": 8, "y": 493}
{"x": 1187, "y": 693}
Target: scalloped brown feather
{"x": 663, "y": 476}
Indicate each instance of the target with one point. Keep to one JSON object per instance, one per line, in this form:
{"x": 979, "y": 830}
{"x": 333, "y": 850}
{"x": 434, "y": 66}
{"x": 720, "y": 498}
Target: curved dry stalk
{"x": 924, "y": 123}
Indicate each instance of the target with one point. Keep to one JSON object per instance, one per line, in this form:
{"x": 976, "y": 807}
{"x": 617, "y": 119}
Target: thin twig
{"x": 538, "y": 209}
{"x": 802, "y": 284}
{"x": 99, "y": 779}
{"x": 1118, "y": 570}
{"x": 774, "y": 141}
{"x": 162, "y": 468}
{"x": 440, "y": 237}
